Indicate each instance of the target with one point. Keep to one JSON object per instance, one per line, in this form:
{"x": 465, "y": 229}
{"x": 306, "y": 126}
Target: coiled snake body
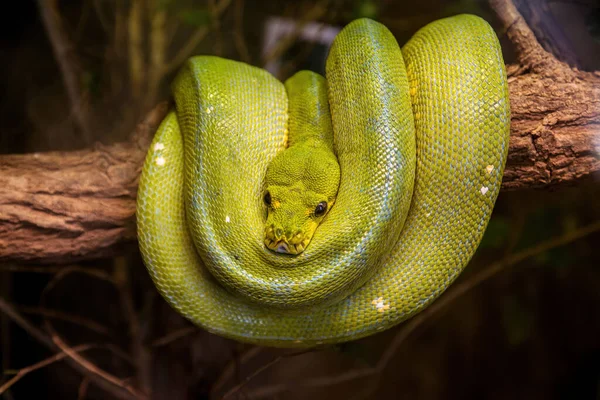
{"x": 421, "y": 137}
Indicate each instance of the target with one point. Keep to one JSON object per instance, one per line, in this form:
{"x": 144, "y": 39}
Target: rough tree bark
{"x": 555, "y": 121}
{"x": 60, "y": 207}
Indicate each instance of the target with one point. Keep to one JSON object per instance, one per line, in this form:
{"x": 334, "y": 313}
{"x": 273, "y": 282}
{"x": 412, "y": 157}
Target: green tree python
{"x": 322, "y": 210}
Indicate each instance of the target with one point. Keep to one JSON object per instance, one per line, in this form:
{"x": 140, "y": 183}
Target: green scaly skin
{"x": 420, "y": 136}
{"x": 307, "y": 173}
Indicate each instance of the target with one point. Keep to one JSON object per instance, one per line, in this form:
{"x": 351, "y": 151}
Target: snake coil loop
{"x": 421, "y": 136}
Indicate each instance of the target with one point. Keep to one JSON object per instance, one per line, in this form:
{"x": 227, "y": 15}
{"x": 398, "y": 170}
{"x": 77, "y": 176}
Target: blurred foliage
{"x": 366, "y": 9}
{"x": 197, "y": 16}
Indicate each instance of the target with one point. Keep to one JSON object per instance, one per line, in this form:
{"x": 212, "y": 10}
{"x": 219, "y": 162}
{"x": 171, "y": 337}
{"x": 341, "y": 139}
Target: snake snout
{"x": 285, "y": 241}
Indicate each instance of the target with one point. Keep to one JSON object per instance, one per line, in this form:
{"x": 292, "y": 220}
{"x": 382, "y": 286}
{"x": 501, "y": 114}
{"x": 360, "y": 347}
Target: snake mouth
{"x": 283, "y": 247}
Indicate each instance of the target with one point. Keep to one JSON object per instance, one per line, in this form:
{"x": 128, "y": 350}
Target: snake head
{"x": 300, "y": 189}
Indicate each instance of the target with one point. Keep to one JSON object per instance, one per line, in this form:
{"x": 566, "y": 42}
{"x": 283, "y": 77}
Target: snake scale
{"x": 421, "y": 138}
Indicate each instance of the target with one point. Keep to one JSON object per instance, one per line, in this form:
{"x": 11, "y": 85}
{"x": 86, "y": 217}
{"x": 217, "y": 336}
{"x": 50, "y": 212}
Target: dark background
{"x": 527, "y": 330}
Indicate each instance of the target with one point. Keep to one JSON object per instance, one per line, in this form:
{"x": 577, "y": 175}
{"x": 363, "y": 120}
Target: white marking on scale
{"x": 380, "y": 304}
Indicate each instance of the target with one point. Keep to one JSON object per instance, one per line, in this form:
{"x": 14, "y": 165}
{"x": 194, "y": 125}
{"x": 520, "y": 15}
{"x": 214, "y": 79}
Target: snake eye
{"x": 320, "y": 209}
{"x": 267, "y": 198}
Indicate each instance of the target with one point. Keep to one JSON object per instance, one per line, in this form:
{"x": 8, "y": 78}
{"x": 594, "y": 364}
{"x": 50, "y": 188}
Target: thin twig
{"x": 28, "y": 327}
{"x": 95, "y": 370}
{"x": 173, "y": 336}
{"x": 230, "y": 369}
{"x": 83, "y": 21}
{"x": 158, "y": 41}
{"x": 140, "y": 353}
{"x": 96, "y": 273}
{"x": 70, "y": 67}
{"x": 268, "y": 365}
{"x": 216, "y": 27}
{"x": 120, "y": 31}
{"x": 5, "y": 331}
{"x": 52, "y": 284}
{"x": 137, "y": 71}
{"x": 238, "y": 32}
{"x": 41, "y": 364}
{"x": 119, "y": 49}
{"x": 40, "y": 336}
{"x": 74, "y": 319}
{"x": 101, "y": 16}
{"x": 186, "y": 50}
{"x": 83, "y": 388}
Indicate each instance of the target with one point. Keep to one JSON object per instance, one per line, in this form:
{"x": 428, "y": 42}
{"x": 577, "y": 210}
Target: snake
{"x": 325, "y": 209}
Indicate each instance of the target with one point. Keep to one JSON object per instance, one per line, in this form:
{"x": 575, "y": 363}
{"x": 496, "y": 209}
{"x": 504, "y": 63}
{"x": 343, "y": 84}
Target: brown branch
{"x": 548, "y": 30}
{"x": 530, "y": 53}
{"x": 555, "y": 135}
{"x": 78, "y": 205}
{"x": 57, "y": 207}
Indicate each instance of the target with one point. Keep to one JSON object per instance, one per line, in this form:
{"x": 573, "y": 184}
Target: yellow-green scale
{"x": 205, "y": 170}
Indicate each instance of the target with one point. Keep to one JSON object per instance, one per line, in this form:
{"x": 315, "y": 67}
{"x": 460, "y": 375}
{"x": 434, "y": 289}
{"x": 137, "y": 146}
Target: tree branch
{"x": 555, "y": 121}
{"x": 72, "y": 205}
{"x": 58, "y": 207}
